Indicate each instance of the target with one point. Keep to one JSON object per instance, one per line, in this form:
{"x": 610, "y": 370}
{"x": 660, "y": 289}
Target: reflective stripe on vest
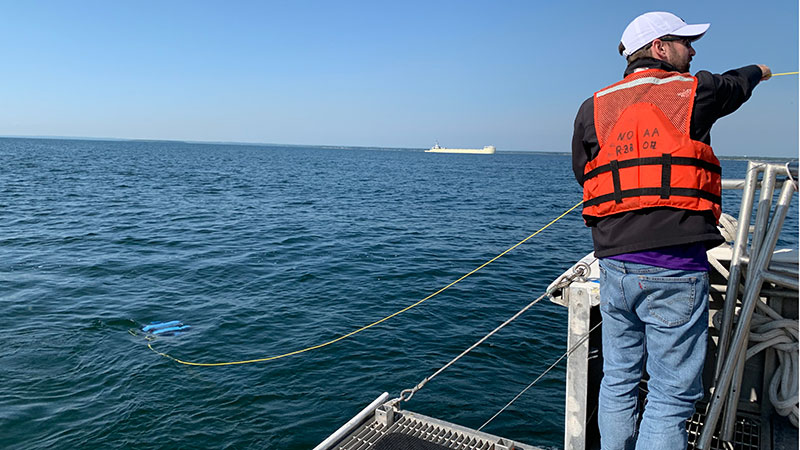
{"x": 647, "y": 158}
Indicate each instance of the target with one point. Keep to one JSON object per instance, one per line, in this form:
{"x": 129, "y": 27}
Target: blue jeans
{"x": 659, "y": 316}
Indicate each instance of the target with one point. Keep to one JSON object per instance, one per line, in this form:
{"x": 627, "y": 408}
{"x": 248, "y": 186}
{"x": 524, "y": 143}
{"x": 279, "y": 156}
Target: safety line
{"x": 406, "y": 394}
{"x": 567, "y": 353}
{"x": 566, "y": 280}
{"x": 345, "y": 336}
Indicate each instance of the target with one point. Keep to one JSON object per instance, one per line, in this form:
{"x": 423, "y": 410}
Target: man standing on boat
{"x": 641, "y": 150}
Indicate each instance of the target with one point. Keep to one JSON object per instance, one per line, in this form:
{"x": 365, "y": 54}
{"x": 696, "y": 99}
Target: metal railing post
{"x": 760, "y": 263}
{"x": 739, "y": 246}
{"x": 759, "y": 234}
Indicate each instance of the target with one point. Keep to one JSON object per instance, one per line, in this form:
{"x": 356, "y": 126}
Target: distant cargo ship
{"x": 488, "y": 150}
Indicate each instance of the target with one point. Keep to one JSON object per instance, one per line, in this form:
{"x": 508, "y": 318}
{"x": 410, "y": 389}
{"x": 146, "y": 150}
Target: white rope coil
{"x": 768, "y": 329}
{"x": 727, "y": 226}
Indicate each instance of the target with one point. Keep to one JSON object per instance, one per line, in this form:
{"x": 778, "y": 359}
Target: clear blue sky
{"x": 364, "y": 73}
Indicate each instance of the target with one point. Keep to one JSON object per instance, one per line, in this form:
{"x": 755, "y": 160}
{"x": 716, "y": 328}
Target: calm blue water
{"x": 265, "y": 250}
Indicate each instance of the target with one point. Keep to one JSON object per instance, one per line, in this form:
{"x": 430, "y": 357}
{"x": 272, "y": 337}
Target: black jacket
{"x": 716, "y": 96}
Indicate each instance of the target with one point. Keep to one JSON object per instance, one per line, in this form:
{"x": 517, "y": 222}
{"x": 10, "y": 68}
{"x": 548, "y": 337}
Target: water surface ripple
{"x": 264, "y": 250}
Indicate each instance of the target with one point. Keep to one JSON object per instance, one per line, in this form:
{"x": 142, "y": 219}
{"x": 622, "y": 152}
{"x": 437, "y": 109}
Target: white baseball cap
{"x": 653, "y": 25}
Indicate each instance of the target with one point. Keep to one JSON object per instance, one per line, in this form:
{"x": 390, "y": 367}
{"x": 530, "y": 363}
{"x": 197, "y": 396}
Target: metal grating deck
{"x": 436, "y": 432}
{"x": 746, "y": 434}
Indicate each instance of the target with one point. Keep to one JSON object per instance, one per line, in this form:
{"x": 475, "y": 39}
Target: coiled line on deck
{"x": 352, "y": 333}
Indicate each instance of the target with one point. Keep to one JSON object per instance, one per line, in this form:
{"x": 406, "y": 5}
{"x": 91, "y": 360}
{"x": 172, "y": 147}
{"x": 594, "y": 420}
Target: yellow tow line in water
{"x": 345, "y": 336}
{"x": 352, "y": 333}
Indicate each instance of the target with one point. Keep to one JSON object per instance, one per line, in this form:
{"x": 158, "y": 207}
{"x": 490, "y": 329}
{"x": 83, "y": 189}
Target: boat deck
{"x": 408, "y": 430}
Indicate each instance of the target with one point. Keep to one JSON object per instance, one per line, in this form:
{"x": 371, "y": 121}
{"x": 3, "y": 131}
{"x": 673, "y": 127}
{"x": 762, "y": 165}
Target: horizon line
{"x": 244, "y": 143}
{"x": 329, "y": 146}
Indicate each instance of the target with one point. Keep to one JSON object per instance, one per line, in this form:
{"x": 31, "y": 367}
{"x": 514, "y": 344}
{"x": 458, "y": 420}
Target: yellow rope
{"x": 325, "y": 344}
{"x": 785, "y": 73}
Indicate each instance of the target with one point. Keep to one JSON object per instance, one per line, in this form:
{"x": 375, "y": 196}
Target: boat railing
{"x": 750, "y": 267}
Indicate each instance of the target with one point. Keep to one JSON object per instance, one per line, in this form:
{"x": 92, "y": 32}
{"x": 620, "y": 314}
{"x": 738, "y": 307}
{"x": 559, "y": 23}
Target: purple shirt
{"x": 680, "y": 257}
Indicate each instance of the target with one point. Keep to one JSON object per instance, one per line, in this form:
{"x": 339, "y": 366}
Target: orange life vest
{"x": 647, "y": 158}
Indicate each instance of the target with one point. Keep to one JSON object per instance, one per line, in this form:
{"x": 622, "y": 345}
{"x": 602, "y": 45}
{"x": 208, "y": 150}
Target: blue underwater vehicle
{"x": 171, "y": 328}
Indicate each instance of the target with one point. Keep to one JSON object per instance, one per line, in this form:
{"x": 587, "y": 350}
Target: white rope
{"x": 781, "y": 336}
{"x": 727, "y": 226}
{"x": 768, "y": 329}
